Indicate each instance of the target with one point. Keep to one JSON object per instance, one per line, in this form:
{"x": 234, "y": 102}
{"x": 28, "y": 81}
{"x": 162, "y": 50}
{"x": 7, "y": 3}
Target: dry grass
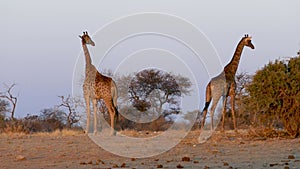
{"x": 56, "y": 133}
{"x": 63, "y": 132}
{"x": 13, "y": 134}
{"x": 265, "y": 132}
{"x": 251, "y": 133}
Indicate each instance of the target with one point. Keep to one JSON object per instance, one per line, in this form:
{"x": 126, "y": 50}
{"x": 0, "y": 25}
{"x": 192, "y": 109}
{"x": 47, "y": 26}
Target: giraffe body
{"x": 224, "y": 85}
{"x": 97, "y": 86}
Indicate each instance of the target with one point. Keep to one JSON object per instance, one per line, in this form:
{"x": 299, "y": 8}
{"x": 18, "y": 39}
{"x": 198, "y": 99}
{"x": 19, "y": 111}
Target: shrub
{"x": 275, "y": 94}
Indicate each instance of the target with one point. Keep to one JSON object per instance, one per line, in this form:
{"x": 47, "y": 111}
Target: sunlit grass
{"x": 56, "y": 133}
{"x": 63, "y": 132}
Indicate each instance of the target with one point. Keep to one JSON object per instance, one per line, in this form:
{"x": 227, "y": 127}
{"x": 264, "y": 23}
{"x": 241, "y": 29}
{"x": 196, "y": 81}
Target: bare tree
{"x": 70, "y": 104}
{"x": 10, "y": 97}
{"x": 3, "y": 107}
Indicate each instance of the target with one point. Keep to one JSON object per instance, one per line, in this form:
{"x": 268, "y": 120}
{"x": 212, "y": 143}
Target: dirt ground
{"x": 222, "y": 150}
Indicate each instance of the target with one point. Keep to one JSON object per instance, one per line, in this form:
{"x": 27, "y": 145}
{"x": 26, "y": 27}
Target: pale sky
{"x": 39, "y": 44}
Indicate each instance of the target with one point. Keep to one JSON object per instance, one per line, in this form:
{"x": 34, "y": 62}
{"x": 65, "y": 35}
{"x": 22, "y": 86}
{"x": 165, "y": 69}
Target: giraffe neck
{"x": 231, "y": 68}
{"x": 88, "y": 60}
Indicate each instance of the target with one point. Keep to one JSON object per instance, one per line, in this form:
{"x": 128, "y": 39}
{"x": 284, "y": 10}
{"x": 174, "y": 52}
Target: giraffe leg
{"x": 113, "y": 121}
{"x": 216, "y": 97}
{"x": 204, "y": 117}
{"x": 94, "y": 101}
{"x": 114, "y": 95}
{"x": 224, "y": 111}
{"x": 232, "y": 103}
{"x": 212, "y": 110}
{"x": 88, "y": 112}
{"x": 112, "y": 113}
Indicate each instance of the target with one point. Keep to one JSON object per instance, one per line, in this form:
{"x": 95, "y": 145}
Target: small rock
{"x": 156, "y": 159}
{"x": 90, "y": 162}
{"x": 115, "y": 166}
{"x": 100, "y": 161}
{"x": 123, "y": 165}
{"x": 179, "y": 166}
{"x": 195, "y": 161}
{"x": 226, "y": 164}
{"x": 20, "y": 157}
{"x": 82, "y": 163}
{"x": 291, "y": 157}
{"x": 286, "y": 167}
{"x": 273, "y": 164}
{"x": 133, "y": 159}
{"x": 206, "y": 167}
{"x": 160, "y": 166}
{"x": 186, "y": 159}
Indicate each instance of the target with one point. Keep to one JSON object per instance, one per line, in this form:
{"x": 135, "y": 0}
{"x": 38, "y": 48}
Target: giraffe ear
{"x": 80, "y": 36}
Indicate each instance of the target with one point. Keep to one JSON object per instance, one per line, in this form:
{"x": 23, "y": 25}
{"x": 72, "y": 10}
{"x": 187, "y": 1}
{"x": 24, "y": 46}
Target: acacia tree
{"x": 11, "y": 98}
{"x": 275, "y": 93}
{"x": 152, "y": 88}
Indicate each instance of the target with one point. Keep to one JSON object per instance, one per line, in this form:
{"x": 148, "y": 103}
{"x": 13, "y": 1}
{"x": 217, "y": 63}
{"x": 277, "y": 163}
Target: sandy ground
{"x": 222, "y": 150}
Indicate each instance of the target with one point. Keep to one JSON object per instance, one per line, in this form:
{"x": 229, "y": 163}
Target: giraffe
{"x": 224, "y": 85}
{"x": 97, "y": 86}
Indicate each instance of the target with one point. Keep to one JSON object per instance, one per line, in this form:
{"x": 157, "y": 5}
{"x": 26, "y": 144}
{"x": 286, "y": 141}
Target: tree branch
{"x": 10, "y": 97}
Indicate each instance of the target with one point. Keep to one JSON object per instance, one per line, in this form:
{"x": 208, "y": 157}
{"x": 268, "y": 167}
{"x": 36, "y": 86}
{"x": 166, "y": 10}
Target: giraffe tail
{"x": 117, "y": 113}
{"x": 114, "y": 99}
{"x": 207, "y": 97}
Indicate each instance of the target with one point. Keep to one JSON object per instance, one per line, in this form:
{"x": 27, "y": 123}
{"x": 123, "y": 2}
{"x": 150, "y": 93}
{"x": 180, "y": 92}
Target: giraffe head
{"x": 247, "y": 41}
{"x": 86, "y": 39}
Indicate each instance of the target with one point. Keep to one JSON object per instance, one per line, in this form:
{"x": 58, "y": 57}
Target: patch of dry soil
{"x": 223, "y": 150}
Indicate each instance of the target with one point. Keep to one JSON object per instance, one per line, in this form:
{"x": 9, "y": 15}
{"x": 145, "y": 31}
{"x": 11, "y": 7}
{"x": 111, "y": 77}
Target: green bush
{"x": 275, "y": 95}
